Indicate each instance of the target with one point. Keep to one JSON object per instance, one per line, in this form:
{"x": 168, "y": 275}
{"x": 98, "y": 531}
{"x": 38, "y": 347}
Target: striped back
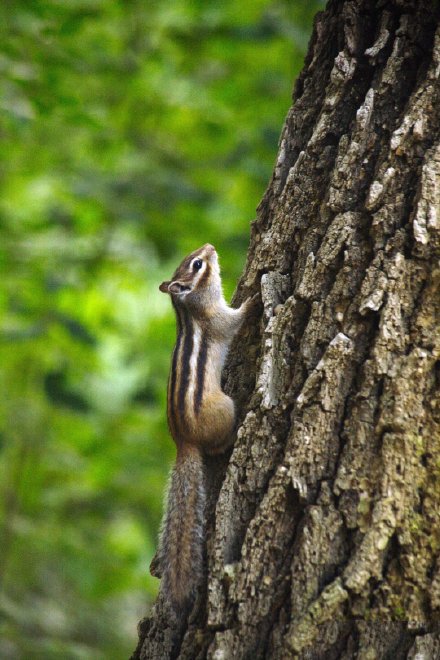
{"x": 186, "y": 383}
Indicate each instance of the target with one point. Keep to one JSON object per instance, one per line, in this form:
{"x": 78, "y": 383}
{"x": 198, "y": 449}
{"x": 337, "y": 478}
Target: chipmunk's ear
{"x": 178, "y": 287}
{"x": 164, "y": 287}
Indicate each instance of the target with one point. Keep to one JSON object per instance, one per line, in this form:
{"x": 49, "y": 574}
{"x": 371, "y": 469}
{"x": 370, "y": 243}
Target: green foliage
{"x": 132, "y": 132}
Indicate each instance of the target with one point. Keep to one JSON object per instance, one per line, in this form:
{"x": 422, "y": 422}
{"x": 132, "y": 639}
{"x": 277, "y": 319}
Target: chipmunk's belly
{"x": 213, "y": 369}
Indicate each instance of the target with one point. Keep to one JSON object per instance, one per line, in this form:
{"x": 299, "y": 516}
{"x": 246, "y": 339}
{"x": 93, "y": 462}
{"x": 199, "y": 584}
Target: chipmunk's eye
{"x": 197, "y": 264}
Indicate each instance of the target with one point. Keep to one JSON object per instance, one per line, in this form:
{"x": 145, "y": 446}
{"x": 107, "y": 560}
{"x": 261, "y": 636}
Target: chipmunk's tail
{"x": 180, "y": 555}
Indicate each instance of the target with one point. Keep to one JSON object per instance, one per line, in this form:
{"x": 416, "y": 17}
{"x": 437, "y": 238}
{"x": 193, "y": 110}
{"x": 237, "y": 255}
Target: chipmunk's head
{"x": 197, "y": 279}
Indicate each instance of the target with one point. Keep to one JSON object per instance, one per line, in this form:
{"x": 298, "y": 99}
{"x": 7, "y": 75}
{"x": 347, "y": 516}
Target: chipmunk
{"x": 201, "y": 417}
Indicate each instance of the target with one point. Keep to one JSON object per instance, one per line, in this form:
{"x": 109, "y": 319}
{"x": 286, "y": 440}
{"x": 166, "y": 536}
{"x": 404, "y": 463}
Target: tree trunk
{"x": 324, "y": 535}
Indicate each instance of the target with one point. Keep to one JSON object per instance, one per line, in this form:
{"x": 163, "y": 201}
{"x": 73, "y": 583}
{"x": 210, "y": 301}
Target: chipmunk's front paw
{"x": 251, "y": 304}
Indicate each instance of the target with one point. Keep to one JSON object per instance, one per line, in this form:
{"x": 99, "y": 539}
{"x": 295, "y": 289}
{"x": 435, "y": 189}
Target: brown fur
{"x": 181, "y": 540}
{"x": 201, "y": 417}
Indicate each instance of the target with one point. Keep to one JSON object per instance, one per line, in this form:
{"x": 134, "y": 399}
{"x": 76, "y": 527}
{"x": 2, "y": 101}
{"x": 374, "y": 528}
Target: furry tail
{"x": 180, "y": 554}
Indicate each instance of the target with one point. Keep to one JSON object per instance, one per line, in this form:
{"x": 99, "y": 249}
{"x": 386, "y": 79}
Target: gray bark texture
{"x": 324, "y": 534}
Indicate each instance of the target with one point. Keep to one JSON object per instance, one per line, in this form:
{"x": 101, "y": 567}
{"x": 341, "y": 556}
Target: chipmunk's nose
{"x": 209, "y": 249}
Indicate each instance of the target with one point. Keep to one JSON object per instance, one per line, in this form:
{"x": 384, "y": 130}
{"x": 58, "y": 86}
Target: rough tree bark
{"x": 325, "y": 538}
